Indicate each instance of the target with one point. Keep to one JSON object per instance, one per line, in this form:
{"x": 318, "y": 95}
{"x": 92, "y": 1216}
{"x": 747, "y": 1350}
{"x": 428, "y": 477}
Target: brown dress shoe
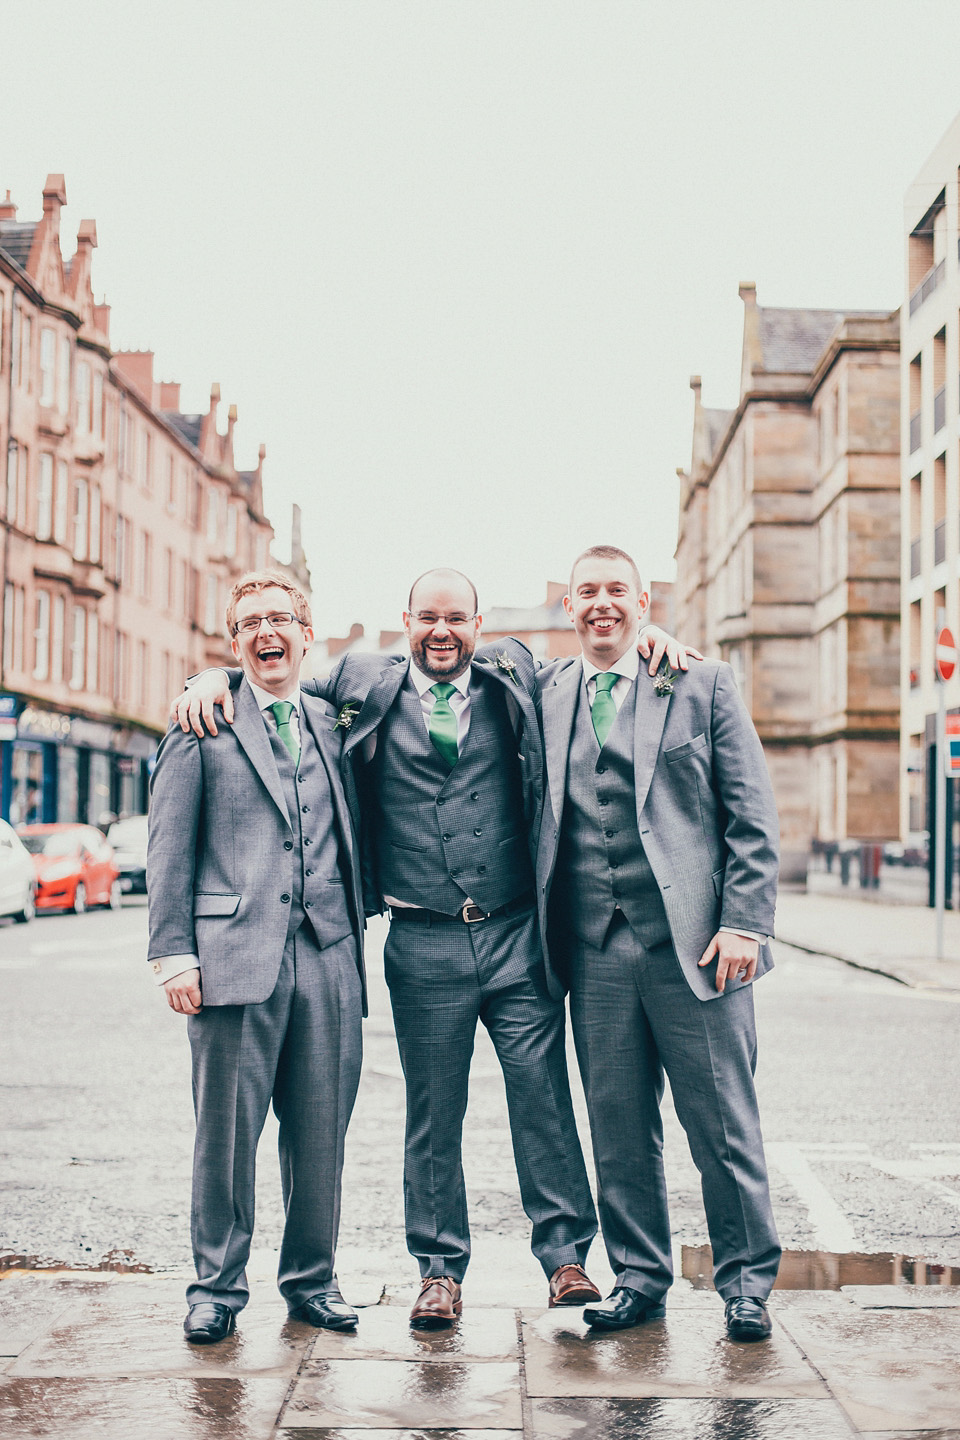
{"x": 438, "y": 1304}
{"x": 571, "y": 1285}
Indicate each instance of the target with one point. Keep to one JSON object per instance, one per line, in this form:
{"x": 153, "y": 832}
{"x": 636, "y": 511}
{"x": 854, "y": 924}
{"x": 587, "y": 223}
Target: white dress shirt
{"x": 167, "y": 966}
{"x": 628, "y": 669}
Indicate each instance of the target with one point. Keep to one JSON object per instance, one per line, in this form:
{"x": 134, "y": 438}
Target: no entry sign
{"x": 945, "y": 654}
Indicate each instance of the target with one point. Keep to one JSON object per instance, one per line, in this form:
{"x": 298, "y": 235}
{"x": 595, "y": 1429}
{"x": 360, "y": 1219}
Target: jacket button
{"x": 309, "y": 872}
{"x": 441, "y": 799}
{"x": 307, "y": 904}
{"x": 288, "y": 844}
{"x": 307, "y": 841}
{"x": 478, "y": 832}
{"x": 300, "y": 779}
{"x": 474, "y": 794}
{"x": 284, "y": 899}
{"x": 454, "y": 874}
{"x": 604, "y": 802}
{"x": 481, "y": 869}
{"x": 609, "y": 833}
{"x": 601, "y": 769}
{"x": 444, "y": 836}
{"x": 614, "y": 864}
{"x": 305, "y": 809}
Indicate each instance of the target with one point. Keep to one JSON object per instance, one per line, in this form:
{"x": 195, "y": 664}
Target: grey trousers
{"x": 302, "y": 1049}
{"x": 634, "y": 1016}
{"x": 444, "y": 977}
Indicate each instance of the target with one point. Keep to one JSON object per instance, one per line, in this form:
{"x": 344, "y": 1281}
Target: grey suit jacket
{"x": 705, "y": 808}
{"x": 217, "y": 852}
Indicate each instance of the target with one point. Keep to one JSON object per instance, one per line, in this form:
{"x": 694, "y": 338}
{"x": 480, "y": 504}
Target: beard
{"x": 457, "y": 662}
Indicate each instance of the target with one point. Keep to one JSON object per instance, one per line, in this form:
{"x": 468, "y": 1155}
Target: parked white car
{"x": 18, "y": 876}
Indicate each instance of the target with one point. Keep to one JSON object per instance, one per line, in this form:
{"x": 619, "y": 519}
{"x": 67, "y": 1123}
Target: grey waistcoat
{"x": 601, "y": 862}
{"x": 318, "y": 891}
{"x": 442, "y": 835}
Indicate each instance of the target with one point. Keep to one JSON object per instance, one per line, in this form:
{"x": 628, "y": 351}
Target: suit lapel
{"x": 651, "y": 716}
{"x": 559, "y": 705}
{"x": 375, "y": 705}
{"x": 251, "y": 732}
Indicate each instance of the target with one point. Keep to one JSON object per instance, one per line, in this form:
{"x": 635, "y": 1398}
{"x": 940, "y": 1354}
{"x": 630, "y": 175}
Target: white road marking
{"x": 832, "y": 1230}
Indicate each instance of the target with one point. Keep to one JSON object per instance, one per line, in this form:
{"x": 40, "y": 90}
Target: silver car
{"x": 18, "y": 877}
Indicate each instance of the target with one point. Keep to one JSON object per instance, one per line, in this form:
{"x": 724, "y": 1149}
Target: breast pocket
{"x": 689, "y": 747}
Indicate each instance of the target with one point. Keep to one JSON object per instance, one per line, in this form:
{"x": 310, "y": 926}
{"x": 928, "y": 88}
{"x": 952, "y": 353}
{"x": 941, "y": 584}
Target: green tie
{"x": 282, "y": 710}
{"x": 604, "y": 710}
{"x": 443, "y": 723}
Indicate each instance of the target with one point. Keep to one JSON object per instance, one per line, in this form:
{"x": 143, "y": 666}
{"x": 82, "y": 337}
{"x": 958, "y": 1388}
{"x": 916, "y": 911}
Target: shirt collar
{"x": 628, "y": 666}
{"x": 424, "y": 682}
{"x": 264, "y": 699}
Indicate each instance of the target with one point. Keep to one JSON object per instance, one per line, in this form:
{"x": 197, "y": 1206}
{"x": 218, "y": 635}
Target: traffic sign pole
{"x": 940, "y": 828}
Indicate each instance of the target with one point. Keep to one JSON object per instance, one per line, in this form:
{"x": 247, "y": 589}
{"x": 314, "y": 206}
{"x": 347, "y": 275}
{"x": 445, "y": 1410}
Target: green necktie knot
{"x": 604, "y": 709}
{"x": 442, "y": 726}
{"x": 282, "y": 710}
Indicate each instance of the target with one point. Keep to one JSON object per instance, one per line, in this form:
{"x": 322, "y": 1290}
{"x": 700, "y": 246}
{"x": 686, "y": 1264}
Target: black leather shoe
{"x": 327, "y": 1312}
{"x": 625, "y": 1307}
{"x": 747, "y": 1318}
{"x": 209, "y": 1322}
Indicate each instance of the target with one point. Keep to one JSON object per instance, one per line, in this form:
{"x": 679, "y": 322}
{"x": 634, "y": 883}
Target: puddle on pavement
{"x": 827, "y": 1270}
{"x": 119, "y": 1262}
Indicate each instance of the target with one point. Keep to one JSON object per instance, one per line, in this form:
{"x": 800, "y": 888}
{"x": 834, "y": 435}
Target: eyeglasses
{"x": 427, "y": 617}
{"x": 280, "y": 620}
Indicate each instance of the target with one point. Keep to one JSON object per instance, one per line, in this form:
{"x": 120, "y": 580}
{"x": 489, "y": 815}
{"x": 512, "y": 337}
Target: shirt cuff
{"x": 747, "y": 934}
{"x": 167, "y": 966}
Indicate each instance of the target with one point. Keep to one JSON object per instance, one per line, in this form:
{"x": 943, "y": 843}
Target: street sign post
{"x": 945, "y": 659}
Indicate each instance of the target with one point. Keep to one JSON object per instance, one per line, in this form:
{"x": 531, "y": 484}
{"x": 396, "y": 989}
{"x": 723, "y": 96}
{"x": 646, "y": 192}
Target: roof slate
{"x": 188, "y": 426}
{"x": 16, "y": 239}
{"x": 793, "y": 340}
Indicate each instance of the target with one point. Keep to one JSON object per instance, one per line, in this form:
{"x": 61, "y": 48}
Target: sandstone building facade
{"x": 123, "y": 523}
{"x": 788, "y": 563}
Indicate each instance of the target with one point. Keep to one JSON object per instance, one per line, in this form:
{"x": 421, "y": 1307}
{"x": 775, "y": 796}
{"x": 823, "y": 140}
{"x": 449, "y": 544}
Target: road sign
{"x": 945, "y": 654}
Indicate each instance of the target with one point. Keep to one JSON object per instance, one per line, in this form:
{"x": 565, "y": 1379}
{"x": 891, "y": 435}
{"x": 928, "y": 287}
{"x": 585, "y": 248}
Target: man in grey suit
{"x": 256, "y": 919}
{"x": 656, "y": 878}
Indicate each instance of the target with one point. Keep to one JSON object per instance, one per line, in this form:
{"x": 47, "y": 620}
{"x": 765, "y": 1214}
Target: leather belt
{"x": 467, "y": 914}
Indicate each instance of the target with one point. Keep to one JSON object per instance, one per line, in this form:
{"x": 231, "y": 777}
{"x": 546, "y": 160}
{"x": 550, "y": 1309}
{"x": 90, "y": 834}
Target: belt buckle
{"x": 472, "y": 919}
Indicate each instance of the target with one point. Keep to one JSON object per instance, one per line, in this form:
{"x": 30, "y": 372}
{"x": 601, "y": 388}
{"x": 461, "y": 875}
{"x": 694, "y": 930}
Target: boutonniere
{"x": 663, "y": 681}
{"x": 504, "y": 663}
{"x": 348, "y": 713}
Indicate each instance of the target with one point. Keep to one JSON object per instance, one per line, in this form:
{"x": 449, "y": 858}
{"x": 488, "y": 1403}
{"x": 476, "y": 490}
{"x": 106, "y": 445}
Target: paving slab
{"x": 903, "y": 1297}
{"x": 169, "y": 1409}
{"x": 908, "y": 1435}
{"x": 327, "y": 1434}
{"x": 685, "y": 1355}
{"x": 889, "y": 1369}
{"x": 400, "y": 1394}
{"x": 384, "y": 1333}
{"x": 688, "y": 1420}
{"x": 29, "y": 1305}
{"x": 124, "y": 1331}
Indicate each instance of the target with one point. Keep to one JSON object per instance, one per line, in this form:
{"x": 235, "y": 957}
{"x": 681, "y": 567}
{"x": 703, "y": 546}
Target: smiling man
{"x": 657, "y": 876}
{"x": 256, "y": 918}
{"x": 443, "y": 756}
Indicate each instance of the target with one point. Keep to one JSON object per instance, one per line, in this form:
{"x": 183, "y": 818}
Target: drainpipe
{"x": 3, "y": 481}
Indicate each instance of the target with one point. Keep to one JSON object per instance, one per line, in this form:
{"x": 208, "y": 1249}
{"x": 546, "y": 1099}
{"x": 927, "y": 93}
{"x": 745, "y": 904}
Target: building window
{"x": 41, "y": 637}
{"x": 171, "y": 485}
{"x": 13, "y": 605}
{"x": 124, "y": 551}
{"x": 10, "y": 506}
{"x": 168, "y": 572}
{"x": 45, "y": 498}
{"x": 144, "y": 565}
{"x": 145, "y": 459}
{"x": 120, "y": 662}
{"x": 230, "y": 543}
{"x": 98, "y": 404}
{"x": 213, "y": 517}
{"x": 83, "y": 398}
{"x": 93, "y": 652}
{"x": 56, "y": 639}
{"x": 196, "y": 503}
{"x": 94, "y": 525}
{"x": 210, "y": 609}
{"x": 122, "y": 441}
{"x": 76, "y": 648}
{"x": 143, "y": 674}
{"x": 80, "y": 519}
{"x": 63, "y": 377}
{"x": 22, "y": 369}
{"x": 166, "y": 669}
{"x": 48, "y": 366}
{"x": 60, "y": 503}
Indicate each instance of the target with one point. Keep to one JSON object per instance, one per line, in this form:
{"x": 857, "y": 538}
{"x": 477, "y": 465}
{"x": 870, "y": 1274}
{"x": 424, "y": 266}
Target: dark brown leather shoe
{"x": 571, "y": 1285}
{"x": 438, "y": 1304}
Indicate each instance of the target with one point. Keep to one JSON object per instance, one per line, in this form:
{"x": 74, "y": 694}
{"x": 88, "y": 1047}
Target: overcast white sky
{"x": 455, "y": 262}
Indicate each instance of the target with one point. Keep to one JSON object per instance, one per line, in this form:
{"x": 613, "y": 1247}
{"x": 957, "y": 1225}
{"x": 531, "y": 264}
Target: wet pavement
{"x": 86, "y": 1359}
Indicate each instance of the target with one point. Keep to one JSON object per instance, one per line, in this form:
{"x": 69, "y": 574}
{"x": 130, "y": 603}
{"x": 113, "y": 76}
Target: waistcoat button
{"x": 478, "y": 832}
{"x": 288, "y": 844}
{"x": 474, "y": 794}
{"x": 481, "y": 869}
{"x": 284, "y": 899}
{"x": 441, "y": 799}
{"x": 444, "y": 836}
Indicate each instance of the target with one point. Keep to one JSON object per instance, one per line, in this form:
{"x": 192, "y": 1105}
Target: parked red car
{"x": 75, "y": 867}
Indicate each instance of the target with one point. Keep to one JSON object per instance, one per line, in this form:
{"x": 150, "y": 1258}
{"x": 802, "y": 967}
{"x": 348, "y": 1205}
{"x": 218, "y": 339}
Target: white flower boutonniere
{"x": 505, "y": 664}
{"x": 348, "y": 713}
{"x": 663, "y": 681}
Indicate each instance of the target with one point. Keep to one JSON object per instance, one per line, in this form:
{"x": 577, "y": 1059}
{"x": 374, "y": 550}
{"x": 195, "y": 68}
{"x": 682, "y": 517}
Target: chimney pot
{"x": 748, "y": 292}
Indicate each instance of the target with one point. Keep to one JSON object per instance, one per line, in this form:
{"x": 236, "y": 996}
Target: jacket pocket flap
{"x": 677, "y": 752}
{"x": 215, "y": 904}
